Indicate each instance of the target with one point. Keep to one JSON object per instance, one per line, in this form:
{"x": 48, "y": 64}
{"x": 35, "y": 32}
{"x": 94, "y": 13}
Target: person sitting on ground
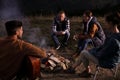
{"x": 106, "y": 55}
{"x": 13, "y": 50}
{"x": 61, "y": 27}
{"x": 92, "y": 33}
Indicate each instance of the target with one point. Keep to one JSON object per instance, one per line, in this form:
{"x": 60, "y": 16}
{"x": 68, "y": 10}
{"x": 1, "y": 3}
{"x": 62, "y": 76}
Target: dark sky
{"x": 51, "y": 6}
{"x": 68, "y": 4}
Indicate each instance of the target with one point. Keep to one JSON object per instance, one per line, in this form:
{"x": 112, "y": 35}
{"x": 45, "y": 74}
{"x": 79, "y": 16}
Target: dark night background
{"x": 51, "y": 7}
{"x": 72, "y": 7}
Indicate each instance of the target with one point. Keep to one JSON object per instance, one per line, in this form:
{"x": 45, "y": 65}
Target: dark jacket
{"x": 60, "y": 26}
{"x": 109, "y": 53}
{"x": 99, "y": 36}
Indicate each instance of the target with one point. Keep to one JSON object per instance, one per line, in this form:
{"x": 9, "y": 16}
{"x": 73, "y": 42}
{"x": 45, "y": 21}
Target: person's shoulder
{"x": 22, "y": 42}
{"x": 56, "y": 19}
{"x": 94, "y": 19}
{"x": 29, "y": 45}
{"x": 25, "y": 43}
{"x": 1, "y": 38}
{"x": 66, "y": 18}
{"x": 116, "y": 36}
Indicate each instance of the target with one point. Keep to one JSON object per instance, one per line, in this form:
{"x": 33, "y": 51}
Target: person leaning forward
{"x": 92, "y": 33}
{"x": 61, "y": 27}
{"x": 13, "y": 49}
{"x": 106, "y": 55}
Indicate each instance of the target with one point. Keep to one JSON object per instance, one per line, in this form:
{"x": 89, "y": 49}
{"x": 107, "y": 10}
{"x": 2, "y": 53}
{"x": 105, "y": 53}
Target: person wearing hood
{"x": 92, "y": 33}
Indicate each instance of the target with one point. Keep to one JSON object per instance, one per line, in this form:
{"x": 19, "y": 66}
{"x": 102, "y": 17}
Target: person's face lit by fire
{"x": 62, "y": 16}
{"x": 85, "y": 18}
{"x": 19, "y": 32}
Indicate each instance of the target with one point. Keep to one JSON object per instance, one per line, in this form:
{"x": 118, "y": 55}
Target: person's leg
{"x": 55, "y": 39}
{"x": 78, "y": 50}
{"x": 88, "y": 57}
{"x": 82, "y": 45}
{"x": 85, "y": 57}
{"x": 85, "y": 44}
{"x": 78, "y": 61}
{"x": 65, "y": 39}
{"x": 76, "y": 64}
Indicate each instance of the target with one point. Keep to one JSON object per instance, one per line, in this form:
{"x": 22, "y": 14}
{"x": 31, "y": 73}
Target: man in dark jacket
{"x": 108, "y": 54}
{"x": 92, "y": 33}
{"x": 61, "y": 27}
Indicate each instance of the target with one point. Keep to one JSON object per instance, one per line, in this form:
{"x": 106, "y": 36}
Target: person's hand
{"x": 78, "y": 36}
{"x": 63, "y": 32}
{"x": 60, "y": 33}
{"x": 81, "y": 36}
{"x": 75, "y": 37}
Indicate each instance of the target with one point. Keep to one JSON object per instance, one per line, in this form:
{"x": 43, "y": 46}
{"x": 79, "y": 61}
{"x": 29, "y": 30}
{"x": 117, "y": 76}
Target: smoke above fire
{"x": 10, "y": 10}
{"x": 33, "y": 35}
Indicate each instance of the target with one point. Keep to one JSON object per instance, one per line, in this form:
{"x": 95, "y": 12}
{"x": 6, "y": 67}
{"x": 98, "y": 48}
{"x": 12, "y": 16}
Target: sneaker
{"x": 86, "y": 74}
{"x": 58, "y": 47}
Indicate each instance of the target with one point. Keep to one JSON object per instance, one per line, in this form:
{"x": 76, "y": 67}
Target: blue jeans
{"x": 64, "y": 41}
{"x": 82, "y": 44}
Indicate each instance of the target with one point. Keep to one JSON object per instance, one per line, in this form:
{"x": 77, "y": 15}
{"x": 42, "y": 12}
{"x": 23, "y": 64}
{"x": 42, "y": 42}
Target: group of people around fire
{"x": 105, "y": 50}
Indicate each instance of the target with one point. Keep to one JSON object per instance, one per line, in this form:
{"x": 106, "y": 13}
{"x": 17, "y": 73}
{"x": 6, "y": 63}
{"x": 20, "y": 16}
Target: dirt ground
{"x": 104, "y": 74}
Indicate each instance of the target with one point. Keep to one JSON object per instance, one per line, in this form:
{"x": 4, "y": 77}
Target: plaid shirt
{"x": 61, "y": 26}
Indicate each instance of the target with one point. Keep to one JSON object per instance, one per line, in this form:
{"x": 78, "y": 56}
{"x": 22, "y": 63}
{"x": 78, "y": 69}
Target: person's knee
{"x": 88, "y": 40}
{"x": 84, "y": 53}
{"x": 67, "y": 34}
{"x": 53, "y": 35}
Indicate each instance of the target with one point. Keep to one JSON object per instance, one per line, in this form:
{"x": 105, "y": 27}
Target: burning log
{"x": 55, "y": 61}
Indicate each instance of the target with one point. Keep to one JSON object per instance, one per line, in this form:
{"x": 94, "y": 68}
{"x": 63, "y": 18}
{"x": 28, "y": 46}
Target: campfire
{"x": 55, "y": 62}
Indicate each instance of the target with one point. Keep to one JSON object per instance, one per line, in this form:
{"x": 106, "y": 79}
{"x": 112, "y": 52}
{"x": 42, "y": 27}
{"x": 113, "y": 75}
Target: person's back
{"x": 13, "y": 50}
{"x": 10, "y": 57}
{"x": 111, "y": 50}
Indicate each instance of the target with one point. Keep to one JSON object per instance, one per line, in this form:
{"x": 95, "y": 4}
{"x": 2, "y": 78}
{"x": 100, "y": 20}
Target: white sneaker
{"x": 58, "y": 47}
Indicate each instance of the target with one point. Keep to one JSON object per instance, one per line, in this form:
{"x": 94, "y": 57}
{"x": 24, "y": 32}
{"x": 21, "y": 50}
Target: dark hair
{"x": 61, "y": 12}
{"x": 12, "y": 26}
{"x": 88, "y": 13}
{"x": 114, "y": 18}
